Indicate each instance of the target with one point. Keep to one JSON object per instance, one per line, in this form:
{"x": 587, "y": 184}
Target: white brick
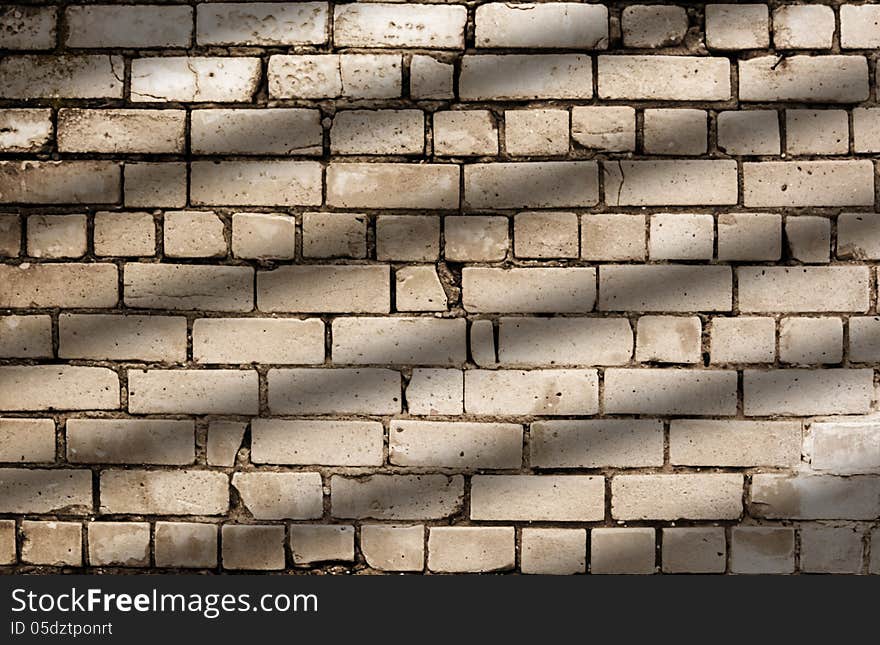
{"x": 546, "y": 234}
{"x": 653, "y": 26}
{"x": 742, "y": 339}
{"x": 694, "y": 550}
{"x": 811, "y": 340}
{"x": 25, "y": 336}
{"x": 465, "y": 133}
{"x": 378, "y": 132}
{"x": 193, "y": 391}
{"x": 675, "y": 131}
{"x": 194, "y": 234}
{"x": 256, "y": 183}
{"x": 262, "y": 24}
{"x": 60, "y": 182}
{"x": 536, "y": 132}
{"x": 550, "y": 498}
{"x": 393, "y": 547}
{"x": 196, "y": 79}
{"x": 809, "y": 183}
{"x": 27, "y": 440}
{"x": 575, "y": 25}
{"x": 258, "y": 340}
{"x": 430, "y": 78}
{"x": 615, "y": 443}
{"x": 417, "y": 186}
{"x": 816, "y": 79}
{"x": 611, "y": 128}
{"x": 263, "y": 236}
{"x": 613, "y": 237}
{"x": 129, "y": 26}
{"x": 730, "y": 26}
{"x": 564, "y": 341}
{"x": 224, "y": 442}
{"x": 125, "y": 337}
{"x": 734, "y": 443}
{"x": 537, "y": 184}
{"x": 529, "y": 290}
{"x": 170, "y": 286}
{"x": 859, "y": 26}
{"x": 28, "y": 490}
{"x": 418, "y": 288}
{"x": 408, "y": 238}
{"x": 749, "y": 132}
{"x": 51, "y": 543}
{"x": 334, "y": 391}
{"x": 665, "y": 288}
{"x": 848, "y": 446}
{"x": 56, "y": 236}
{"x": 25, "y": 130}
{"x": 681, "y": 236}
{"x": 457, "y": 445}
{"x": 311, "y": 543}
{"x": 474, "y": 238}
{"x": 864, "y": 339}
{"x": 661, "y": 391}
{"x": 831, "y": 550}
{"x": 664, "y": 78}
{"x": 467, "y": 549}
{"x": 858, "y": 236}
{"x": 803, "y": 289}
{"x": 281, "y": 496}
{"x": 680, "y": 496}
{"x": 121, "y": 544}
{"x": 165, "y": 492}
{"x": 539, "y": 392}
{"x": 671, "y": 183}
{"x": 130, "y": 441}
{"x": 58, "y": 387}
{"x": 762, "y": 549}
{"x": 155, "y": 185}
{"x": 325, "y": 289}
{"x": 316, "y": 76}
{"x": 803, "y": 392}
{"x": 326, "y": 443}
{"x": 525, "y": 76}
{"x": 749, "y": 236}
{"x": 396, "y": 497}
{"x": 435, "y": 391}
{"x": 258, "y": 548}
{"x": 327, "y": 235}
{"x": 399, "y": 25}
{"x": 669, "y": 339}
{"x": 554, "y": 551}
{"x": 803, "y": 27}
{"x": 420, "y": 341}
{"x": 819, "y": 497}
{"x": 271, "y": 131}
{"x": 28, "y": 27}
{"x": 61, "y": 77}
{"x": 622, "y": 551}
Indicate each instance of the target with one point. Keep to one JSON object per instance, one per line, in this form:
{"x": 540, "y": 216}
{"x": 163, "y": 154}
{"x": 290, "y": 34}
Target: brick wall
{"x": 471, "y": 286}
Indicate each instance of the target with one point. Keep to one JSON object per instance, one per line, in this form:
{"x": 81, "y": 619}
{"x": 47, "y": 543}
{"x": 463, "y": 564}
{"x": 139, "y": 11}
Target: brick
{"x": 263, "y": 236}
{"x": 653, "y": 26}
{"x": 681, "y": 236}
{"x": 659, "y": 391}
{"x": 25, "y": 336}
{"x": 613, "y": 237}
{"x": 546, "y": 235}
{"x": 430, "y": 78}
{"x": 831, "y": 550}
{"x": 622, "y": 550}
{"x": 734, "y": 444}
{"x": 256, "y": 183}
{"x": 749, "y": 132}
{"x": 467, "y": 549}
{"x": 153, "y": 185}
{"x": 58, "y": 182}
{"x": 194, "y": 79}
{"x": 669, "y": 339}
{"x": 675, "y": 132}
{"x": 809, "y": 238}
{"x": 525, "y": 77}
{"x": 817, "y": 497}
{"x": 399, "y": 341}
{"x": 334, "y": 391}
{"x": 126, "y": 337}
{"x": 45, "y": 491}
{"x": 278, "y": 496}
{"x": 256, "y": 548}
{"x": 528, "y": 290}
{"x": 671, "y": 183}
{"x": 564, "y": 341}
{"x": 761, "y": 549}
{"x": 188, "y": 545}
{"x": 65, "y": 285}
{"x": 167, "y": 492}
{"x": 56, "y": 236}
{"x": 552, "y": 498}
{"x": 394, "y": 547}
{"x": 576, "y": 26}
{"x": 27, "y": 27}
{"x": 196, "y": 234}
{"x": 864, "y": 339}
{"x": 25, "y": 130}
{"x": 803, "y": 289}
{"x": 874, "y": 564}
{"x": 615, "y": 443}
{"x": 129, "y": 26}
{"x": 694, "y": 550}
{"x": 58, "y": 387}
{"x": 365, "y": 185}
{"x": 803, "y": 27}
{"x": 355, "y": 289}
{"x": 664, "y": 78}
{"x": 866, "y": 122}
{"x": 328, "y": 443}
{"x": 7, "y": 542}
{"x": 130, "y": 441}
{"x": 679, "y": 496}
{"x": 536, "y": 184}
{"x": 27, "y": 440}
{"x": 396, "y": 497}
{"x": 459, "y": 445}
{"x": 749, "y": 236}
{"x": 258, "y": 340}
{"x": 536, "y": 132}
{"x": 311, "y": 543}
{"x": 817, "y": 132}
{"x": 61, "y": 77}
{"x": 849, "y": 446}
{"x": 859, "y": 26}
{"x": 10, "y": 235}
{"x": 270, "y": 131}
{"x": 192, "y": 391}
{"x": 315, "y": 76}
{"x": 473, "y": 238}
{"x": 610, "y": 128}
{"x": 539, "y": 392}
{"x": 484, "y": 350}
{"x": 262, "y": 24}
{"x": 802, "y": 392}
{"x": 224, "y": 442}
{"x": 55, "y": 544}
{"x": 378, "y": 132}
{"x": 418, "y": 288}
{"x": 396, "y": 25}
{"x": 435, "y": 391}
{"x": 730, "y": 26}
{"x": 811, "y": 340}
{"x": 171, "y": 286}
{"x": 119, "y": 544}
{"x": 329, "y": 235}
{"x": 462, "y": 133}
{"x": 554, "y": 551}
{"x": 816, "y": 79}
{"x": 665, "y": 288}
{"x": 407, "y": 237}
{"x": 858, "y": 236}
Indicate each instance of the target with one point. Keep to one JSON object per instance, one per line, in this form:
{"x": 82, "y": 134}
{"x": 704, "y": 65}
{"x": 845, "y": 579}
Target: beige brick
{"x": 761, "y": 549}
{"x": 653, "y": 26}
{"x": 325, "y": 289}
{"x": 575, "y": 26}
{"x": 55, "y": 544}
{"x": 258, "y": 548}
{"x": 258, "y": 340}
{"x": 186, "y": 545}
{"x": 529, "y": 290}
{"x": 680, "y": 496}
{"x": 312, "y": 543}
{"x": 620, "y": 550}
{"x": 27, "y": 27}
{"x": 126, "y": 337}
{"x": 328, "y": 235}
{"x": 734, "y": 444}
{"x": 665, "y": 288}
{"x": 816, "y": 132}
{"x": 224, "y": 442}
{"x": 435, "y": 391}
{"x": 610, "y": 128}
{"x": 396, "y": 497}
{"x": 613, "y": 237}
{"x": 155, "y": 185}
{"x": 10, "y": 234}
{"x": 430, "y": 78}
{"x": 803, "y": 392}
{"x": 846, "y": 446}
{"x": 396, "y": 25}
{"x": 803, "y": 27}
{"x": 61, "y": 77}
{"x": 550, "y": 498}
{"x": 262, "y": 24}
{"x": 470, "y": 549}
{"x": 25, "y": 336}
{"x": 536, "y": 132}
{"x": 194, "y": 79}
{"x": 483, "y": 347}
{"x": 459, "y": 445}
{"x": 58, "y": 387}
{"x": 418, "y": 186}
{"x": 315, "y": 76}
{"x": 403, "y": 341}
{"x": 809, "y": 238}
{"x": 459, "y": 133}
{"x": 749, "y": 236}
{"x": 129, "y": 26}
{"x": 66, "y": 285}
{"x": 811, "y": 341}
{"x": 256, "y": 183}
{"x": 858, "y": 236}
{"x": 334, "y": 391}
{"x": 681, "y": 236}
{"x": 45, "y": 491}
{"x": 864, "y": 339}
{"x": 418, "y": 288}
{"x": 749, "y": 132}
{"x": 831, "y": 550}
{"x": 271, "y": 131}
{"x": 59, "y": 182}
{"x": 124, "y": 234}
{"x": 130, "y": 441}
{"x": 119, "y": 544}
{"x": 56, "y": 236}
{"x": 27, "y": 440}
{"x": 694, "y": 550}
{"x": 554, "y": 551}
{"x": 661, "y": 391}
{"x": 121, "y": 131}
{"x": 815, "y": 79}
{"x": 858, "y": 26}
{"x": 539, "y": 392}
{"x": 278, "y": 496}
{"x": 164, "y": 492}
{"x": 731, "y": 26}
{"x": 675, "y": 132}
{"x": 866, "y": 129}
{"x": 327, "y": 443}
{"x": 803, "y": 289}
{"x": 664, "y": 78}
{"x": 564, "y": 341}
{"x": 170, "y": 286}
{"x": 25, "y": 130}
{"x": 525, "y": 76}
{"x": 407, "y": 237}
{"x": 393, "y": 547}
{"x": 819, "y": 497}
{"x": 192, "y": 391}
{"x": 669, "y": 339}
{"x": 194, "y": 234}
{"x": 473, "y": 238}
{"x": 378, "y": 132}
{"x": 263, "y": 236}
{"x": 615, "y": 443}
{"x": 545, "y": 235}
{"x": 7, "y": 542}
{"x": 536, "y": 184}
{"x": 671, "y": 183}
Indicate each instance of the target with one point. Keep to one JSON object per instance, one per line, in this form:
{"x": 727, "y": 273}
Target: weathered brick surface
{"x": 437, "y": 286}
